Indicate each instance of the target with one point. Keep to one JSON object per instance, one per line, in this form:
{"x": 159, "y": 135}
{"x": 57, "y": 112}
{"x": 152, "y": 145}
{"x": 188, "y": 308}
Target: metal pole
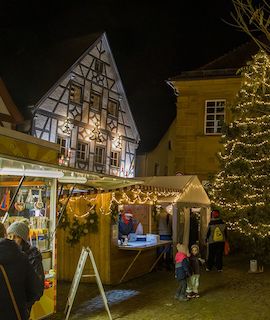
{"x": 62, "y": 211}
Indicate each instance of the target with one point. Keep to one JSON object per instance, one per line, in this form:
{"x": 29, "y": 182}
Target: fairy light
{"x": 243, "y": 182}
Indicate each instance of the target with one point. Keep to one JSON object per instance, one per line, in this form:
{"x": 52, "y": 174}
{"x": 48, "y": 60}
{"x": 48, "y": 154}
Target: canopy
{"x": 191, "y": 191}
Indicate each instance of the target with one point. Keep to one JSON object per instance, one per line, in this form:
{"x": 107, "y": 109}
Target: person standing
{"x": 194, "y": 280}
{"x": 165, "y": 233}
{"x": 22, "y": 278}
{"x": 215, "y": 237}
{"x": 125, "y": 226}
{"x": 182, "y": 271}
{"x": 19, "y": 232}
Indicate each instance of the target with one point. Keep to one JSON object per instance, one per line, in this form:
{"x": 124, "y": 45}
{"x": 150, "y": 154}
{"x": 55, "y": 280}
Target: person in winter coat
{"x": 194, "y": 280}
{"x": 182, "y": 271}
{"x": 22, "y": 277}
{"x": 215, "y": 237}
{"x": 19, "y": 232}
{"x": 126, "y": 225}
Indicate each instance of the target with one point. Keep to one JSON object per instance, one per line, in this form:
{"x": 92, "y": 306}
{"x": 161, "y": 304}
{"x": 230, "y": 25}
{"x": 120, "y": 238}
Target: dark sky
{"x": 150, "y": 43}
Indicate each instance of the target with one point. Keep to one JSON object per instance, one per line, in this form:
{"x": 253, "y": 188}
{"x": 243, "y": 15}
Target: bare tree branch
{"x": 253, "y": 20}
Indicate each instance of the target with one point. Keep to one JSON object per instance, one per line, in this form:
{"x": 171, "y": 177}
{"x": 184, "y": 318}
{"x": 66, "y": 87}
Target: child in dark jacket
{"x": 193, "y": 281}
{"x": 182, "y": 271}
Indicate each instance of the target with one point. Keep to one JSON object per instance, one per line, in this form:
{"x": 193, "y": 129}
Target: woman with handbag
{"x": 18, "y": 281}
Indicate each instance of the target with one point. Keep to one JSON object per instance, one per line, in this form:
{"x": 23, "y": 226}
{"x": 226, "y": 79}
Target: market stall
{"x": 28, "y": 192}
{"x": 96, "y": 212}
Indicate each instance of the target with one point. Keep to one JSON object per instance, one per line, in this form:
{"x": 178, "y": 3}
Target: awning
{"x": 189, "y": 188}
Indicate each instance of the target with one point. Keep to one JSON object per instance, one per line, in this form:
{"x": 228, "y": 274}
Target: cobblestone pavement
{"x": 233, "y": 294}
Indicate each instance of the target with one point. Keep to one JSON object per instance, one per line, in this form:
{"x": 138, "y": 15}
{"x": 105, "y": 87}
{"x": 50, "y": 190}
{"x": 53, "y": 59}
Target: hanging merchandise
{"x": 29, "y": 202}
{"x": 19, "y": 204}
{"x": 5, "y": 201}
{"x": 39, "y": 204}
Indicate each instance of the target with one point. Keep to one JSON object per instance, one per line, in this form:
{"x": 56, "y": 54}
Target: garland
{"x": 79, "y": 226}
{"x": 114, "y": 211}
{"x": 155, "y": 212}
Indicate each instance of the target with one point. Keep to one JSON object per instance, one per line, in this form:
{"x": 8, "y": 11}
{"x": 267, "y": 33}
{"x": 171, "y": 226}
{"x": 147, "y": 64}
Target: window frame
{"x": 65, "y": 148}
{"x": 98, "y": 66}
{"x": 215, "y": 114}
{"x": 103, "y": 155}
{"x": 92, "y": 107}
{"x": 113, "y": 159}
{"x": 116, "y": 110}
{"x": 75, "y": 84}
{"x": 80, "y": 151}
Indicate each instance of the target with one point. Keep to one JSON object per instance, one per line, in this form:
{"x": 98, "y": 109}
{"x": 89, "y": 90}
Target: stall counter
{"x": 141, "y": 246}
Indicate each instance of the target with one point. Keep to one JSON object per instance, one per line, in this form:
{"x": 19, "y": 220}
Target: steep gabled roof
{"x": 10, "y": 113}
{"x": 31, "y": 74}
{"x": 224, "y": 66}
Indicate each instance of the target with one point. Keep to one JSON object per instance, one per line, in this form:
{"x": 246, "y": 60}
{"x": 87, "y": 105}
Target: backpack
{"x": 218, "y": 235}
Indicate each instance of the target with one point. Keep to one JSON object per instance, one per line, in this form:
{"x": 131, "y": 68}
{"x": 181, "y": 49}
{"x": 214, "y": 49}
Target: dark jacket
{"x": 125, "y": 229}
{"x": 182, "y": 268}
{"x": 35, "y": 259}
{"x": 23, "y": 280}
{"x": 213, "y": 224}
{"x": 194, "y": 264}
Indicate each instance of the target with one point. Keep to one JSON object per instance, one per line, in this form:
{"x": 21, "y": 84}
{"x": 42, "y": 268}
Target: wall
{"x": 162, "y": 157}
{"x": 195, "y": 152}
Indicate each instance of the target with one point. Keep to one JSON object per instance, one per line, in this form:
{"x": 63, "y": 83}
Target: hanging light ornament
{"x": 96, "y": 133}
{"x": 67, "y": 126}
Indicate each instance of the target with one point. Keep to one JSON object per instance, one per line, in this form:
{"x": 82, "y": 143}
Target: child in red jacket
{"x": 182, "y": 271}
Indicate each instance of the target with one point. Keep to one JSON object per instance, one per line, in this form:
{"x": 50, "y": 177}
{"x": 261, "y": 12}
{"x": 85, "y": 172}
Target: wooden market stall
{"x": 28, "y": 190}
{"x": 117, "y": 263}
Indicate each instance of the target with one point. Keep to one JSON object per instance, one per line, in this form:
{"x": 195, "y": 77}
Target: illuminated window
{"x": 112, "y": 108}
{"x": 95, "y": 100}
{"x": 115, "y": 159}
{"x": 75, "y": 93}
{"x": 63, "y": 145}
{"x": 214, "y": 116}
{"x": 100, "y": 155}
{"x": 81, "y": 152}
{"x": 98, "y": 66}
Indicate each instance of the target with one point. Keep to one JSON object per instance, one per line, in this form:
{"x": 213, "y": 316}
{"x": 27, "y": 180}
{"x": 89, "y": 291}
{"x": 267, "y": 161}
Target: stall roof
{"x": 184, "y": 189}
{"x": 191, "y": 191}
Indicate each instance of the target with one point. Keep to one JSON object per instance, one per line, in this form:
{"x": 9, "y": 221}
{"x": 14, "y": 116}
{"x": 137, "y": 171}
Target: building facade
{"x": 9, "y": 113}
{"x": 202, "y": 100}
{"x": 87, "y": 113}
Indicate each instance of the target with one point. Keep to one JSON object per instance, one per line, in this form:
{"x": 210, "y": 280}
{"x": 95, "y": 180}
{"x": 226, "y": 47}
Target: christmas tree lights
{"x": 242, "y": 187}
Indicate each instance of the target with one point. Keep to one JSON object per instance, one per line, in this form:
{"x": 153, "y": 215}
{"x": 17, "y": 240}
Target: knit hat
{"x": 195, "y": 246}
{"x": 20, "y": 229}
{"x": 215, "y": 214}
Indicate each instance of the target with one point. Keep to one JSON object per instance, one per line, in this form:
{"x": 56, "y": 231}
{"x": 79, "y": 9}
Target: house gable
{"x": 9, "y": 114}
{"x": 87, "y": 110}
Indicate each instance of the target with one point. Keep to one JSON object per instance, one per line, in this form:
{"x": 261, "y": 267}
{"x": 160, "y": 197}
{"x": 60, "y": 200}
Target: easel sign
{"x": 86, "y": 252}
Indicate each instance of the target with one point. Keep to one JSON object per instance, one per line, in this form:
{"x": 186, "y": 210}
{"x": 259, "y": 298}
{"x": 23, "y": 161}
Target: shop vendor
{"x": 126, "y": 225}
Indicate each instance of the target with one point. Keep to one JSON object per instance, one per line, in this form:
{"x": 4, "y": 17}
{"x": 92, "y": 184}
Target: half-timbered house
{"x": 87, "y": 113}
{"x": 9, "y": 113}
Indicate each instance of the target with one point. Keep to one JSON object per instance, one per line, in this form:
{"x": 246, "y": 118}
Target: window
{"x": 75, "y": 93}
{"x": 115, "y": 159}
{"x": 112, "y": 108}
{"x": 63, "y": 145}
{"x": 95, "y": 100}
{"x": 214, "y": 116}
{"x": 81, "y": 153}
{"x": 100, "y": 155}
{"x": 98, "y": 66}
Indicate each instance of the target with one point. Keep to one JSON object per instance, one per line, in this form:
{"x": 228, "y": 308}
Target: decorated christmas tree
{"x": 242, "y": 187}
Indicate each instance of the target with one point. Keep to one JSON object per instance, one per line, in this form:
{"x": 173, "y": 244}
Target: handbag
{"x": 226, "y": 248}
{"x": 11, "y": 292}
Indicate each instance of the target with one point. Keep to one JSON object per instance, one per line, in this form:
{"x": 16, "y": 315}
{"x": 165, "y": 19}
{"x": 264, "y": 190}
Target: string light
{"x": 243, "y": 186}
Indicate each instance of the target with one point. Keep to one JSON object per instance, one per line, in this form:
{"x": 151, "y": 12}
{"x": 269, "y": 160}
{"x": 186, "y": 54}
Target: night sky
{"x": 150, "y": 43}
